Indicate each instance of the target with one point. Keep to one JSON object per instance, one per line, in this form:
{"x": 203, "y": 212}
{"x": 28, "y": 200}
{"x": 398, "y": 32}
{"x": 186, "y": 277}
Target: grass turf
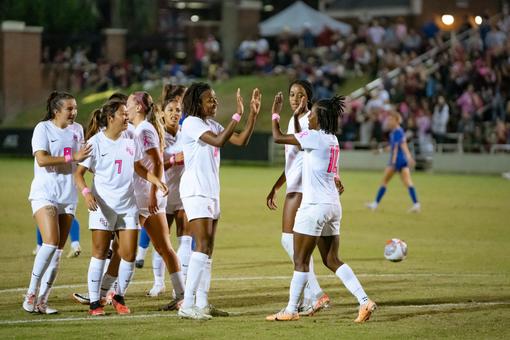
{"x": 454, "y": 283}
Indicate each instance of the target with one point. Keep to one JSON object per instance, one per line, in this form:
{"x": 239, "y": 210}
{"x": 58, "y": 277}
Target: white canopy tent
{"x": 299, "y": 16}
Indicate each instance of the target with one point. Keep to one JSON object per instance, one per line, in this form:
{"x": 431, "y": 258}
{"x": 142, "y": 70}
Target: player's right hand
{"x": 83, "y": 153}
{"x": 271, "y": 200}
{"x": 277, "y": 103}
{"x": 90, "y": 200}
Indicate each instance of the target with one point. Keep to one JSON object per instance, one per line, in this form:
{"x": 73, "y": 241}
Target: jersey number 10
{"x": 333, "y": 158}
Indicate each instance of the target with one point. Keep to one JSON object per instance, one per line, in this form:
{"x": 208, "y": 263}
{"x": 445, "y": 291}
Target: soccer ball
{"x": 395, "y": 250}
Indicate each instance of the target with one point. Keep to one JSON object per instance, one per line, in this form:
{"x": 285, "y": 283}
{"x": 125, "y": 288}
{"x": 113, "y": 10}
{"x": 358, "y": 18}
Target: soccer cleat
{"x": 322, "y": 302}
{"x": 156, "y": 290}
{"x": 213, "y": 311}
{"x": 175, "y": 304}
{"x": 193, "y": 313}
{"x": 283, "y": 315}
{"x": 372, "y": 206}
{"x": 365, "y": 311}
{"x": 139, "y": 263}
{"x": 305, "y": 310}
{"x": 96, "y": 309}
{"x": 120, "y": 305}
{"x": 81, "y": 298}
{"x": 74, "y": 252}
{"x": 416, "y": 208}
{"x": 42, "y": 308}
{"x": 29, "y": 302}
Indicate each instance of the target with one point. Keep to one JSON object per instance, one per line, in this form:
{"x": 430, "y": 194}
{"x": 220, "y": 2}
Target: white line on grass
{"x": 158, "y": 315}
{"x": 281, "y": 277}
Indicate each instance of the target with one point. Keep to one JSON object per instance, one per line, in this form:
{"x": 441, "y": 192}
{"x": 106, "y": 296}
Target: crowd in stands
{"x": 460, "y": 93}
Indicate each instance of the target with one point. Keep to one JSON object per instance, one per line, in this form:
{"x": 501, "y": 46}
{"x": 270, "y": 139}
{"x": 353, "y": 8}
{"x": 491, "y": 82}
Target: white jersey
{"x": 146, "y": 138}
{"x": 173, "y": 145}
{"x": 129, "y": 132}
{"x": 78, "y": 130}
{"x": 294, "y": 158}
{"x": 320, "y": 163}
{"x": 54, "y": 183}
{"x": 112, "y": 162}
{"x": 201, "y": 175}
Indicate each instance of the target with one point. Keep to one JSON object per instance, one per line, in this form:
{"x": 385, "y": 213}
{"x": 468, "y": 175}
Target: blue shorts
{"x": 399, "y": 165}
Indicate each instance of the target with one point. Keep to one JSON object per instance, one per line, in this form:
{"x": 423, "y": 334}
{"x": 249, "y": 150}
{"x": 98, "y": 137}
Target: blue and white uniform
{"x": 397, "y": 138}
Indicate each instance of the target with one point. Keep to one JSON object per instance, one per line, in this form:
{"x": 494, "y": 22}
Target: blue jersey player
{"x": 400, "y": 161}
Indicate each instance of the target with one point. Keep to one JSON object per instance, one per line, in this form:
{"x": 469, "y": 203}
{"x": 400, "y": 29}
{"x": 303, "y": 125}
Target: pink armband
{"x": 85, "y": 191}
{"x": 236, "y": 117}
{"x": 275, "y": 116}
{"x": 68, "y": 158}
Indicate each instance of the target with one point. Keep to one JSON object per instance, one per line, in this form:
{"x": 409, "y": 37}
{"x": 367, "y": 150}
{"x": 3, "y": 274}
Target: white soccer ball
{"x": 395, "y": 250}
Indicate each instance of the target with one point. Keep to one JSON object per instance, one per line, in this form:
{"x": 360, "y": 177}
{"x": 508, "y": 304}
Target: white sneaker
{"x": 29, "y": 302}
{"x": 42, "y": 308}
{"x": 305, "y": 310}
{"x": 416, "y": 208}
{"x": 372, "y": 206}
{"x": 193, "y": 313}
{"x": 156, "y": 290}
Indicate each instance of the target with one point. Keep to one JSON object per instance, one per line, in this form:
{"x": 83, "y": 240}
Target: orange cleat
{"x": 119, "y": 305}
{"x": 283, "y": 315}
{"x": 322, "y": 302}
{"x": 98, "y": 311}
{"x": 365, "y": 311}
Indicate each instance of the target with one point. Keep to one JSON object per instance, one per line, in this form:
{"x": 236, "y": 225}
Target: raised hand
{"x": 302, "y": 107}
{"x": 277, "y": 103}
{"x": 255, "y": 102}
{"x": 240, "y": 105}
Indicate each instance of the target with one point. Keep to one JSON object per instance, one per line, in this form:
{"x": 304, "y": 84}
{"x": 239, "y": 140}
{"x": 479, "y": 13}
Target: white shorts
{"x": 107, "y": 219}
{"x": 201, "y": 207}
{"x": 61, "y": 208}
{"x": 143, "y": 205}
{"x": 318, "y": 219}
{"x": 172, "y": 207}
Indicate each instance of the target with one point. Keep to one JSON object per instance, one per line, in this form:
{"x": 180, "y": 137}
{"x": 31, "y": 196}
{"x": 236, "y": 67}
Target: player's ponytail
{"x": 99, "y": 117}
{"x": 53, "y": 103}
{"x": 93, "y": 126}
{"x": 328, "y": 113}
{"x": 152, "y": 114}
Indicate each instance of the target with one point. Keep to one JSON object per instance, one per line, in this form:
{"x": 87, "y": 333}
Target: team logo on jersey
{"x": 75, "y": 138}
{"x": 130, "y": 150}
{"x": 147, "y": 140}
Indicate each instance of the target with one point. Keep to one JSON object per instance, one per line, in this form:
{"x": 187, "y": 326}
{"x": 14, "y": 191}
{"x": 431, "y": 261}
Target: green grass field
{"x": 455, "y": 282}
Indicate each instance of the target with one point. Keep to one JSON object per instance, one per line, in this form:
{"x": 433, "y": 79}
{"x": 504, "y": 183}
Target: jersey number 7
{"x": 118, "y": 162}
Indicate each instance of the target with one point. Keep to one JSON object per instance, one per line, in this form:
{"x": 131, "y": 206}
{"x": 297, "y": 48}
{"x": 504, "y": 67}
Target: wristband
{"x": 236, "y": 117}
{"x": 68, "y": 158}
{"x": 275, "y": 116}
{"x": 85, "y": 191}
{"x": 172, "y": 160}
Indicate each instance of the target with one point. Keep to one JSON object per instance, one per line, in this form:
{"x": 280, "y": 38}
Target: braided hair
{"x": 192, "y": 101}
{"x": 328, "y": 112}
{"x": 54, "y": 103}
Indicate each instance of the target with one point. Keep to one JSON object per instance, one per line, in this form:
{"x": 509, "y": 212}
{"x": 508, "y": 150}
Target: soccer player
{"x": 314, "y": 298}
{"x": 202, "y": 137}
{"x": 400, "y": 161}
{"x": 317, "y": 221}
{"x": 174, "y": 167}
{"x": 111, "y": 201}
{"x": 149, "y": 134}
{"x": 53, "y": 194}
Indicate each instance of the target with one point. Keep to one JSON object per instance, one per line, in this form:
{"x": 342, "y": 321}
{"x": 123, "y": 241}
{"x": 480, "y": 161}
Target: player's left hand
{"x": 411, "y": 163}
{"x": 240, "y": 105}
{"x": 255, "y": 102}
{"x": 339, "y": 185}
{"x": 301, "y": 108}
{"x": 153, "y": 203}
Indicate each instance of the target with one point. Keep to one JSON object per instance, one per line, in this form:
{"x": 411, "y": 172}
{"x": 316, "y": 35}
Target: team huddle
{"x": 151, "y": 164}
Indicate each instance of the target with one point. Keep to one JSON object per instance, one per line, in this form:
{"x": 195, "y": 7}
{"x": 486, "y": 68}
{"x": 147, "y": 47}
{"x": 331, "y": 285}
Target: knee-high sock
{"x": 205, "y": 284}
{"x": 41, "y": 263}
{"x": 380, "y": 194}
{"x": 107, "y": 282}
{"x": 412, "y": 193}
{"x": 158, "y": 268}
{"x": 297, "y": 285}
{"x": 184, "y": 253}
{"x": 196, "y": 267}
{"x": 178, "y": 284}
{"x": 126, "y": 270}
{"x": 95, "y": 274}
{"x": 49, "y": 276}
{"x": 75, "y": 234}
{"x": 351, "y": 282}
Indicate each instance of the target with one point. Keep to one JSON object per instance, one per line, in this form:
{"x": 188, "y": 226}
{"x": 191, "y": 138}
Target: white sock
{"x": 106, "y": 264}
{"x": 205, "y": 284}
{"x": 140, "y": 254}
{"x": 184, "y": 253}
{"x": 351, "y": 282}
{"x": 297, "y": 285}
{"x": 288, "y": 244}
{"x": 312, "y": 287}
{"x": 49, "y": 276}
{"x": 96, "y": 268}
{"x": 107, "y": 282}
{"x": 75, "y": 244}
{"x": 126, "y": 270}
{"x": 178, "y": 284}
{"x": 158, "y": 268}
{"x": 41, "y": 263}
{"x": 196, "y": 267}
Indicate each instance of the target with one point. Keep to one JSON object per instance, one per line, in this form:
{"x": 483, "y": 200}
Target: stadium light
{"x": 194, "y": 18}
{"x": 447, "y": 19}
{"x": 478, "y": 20}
